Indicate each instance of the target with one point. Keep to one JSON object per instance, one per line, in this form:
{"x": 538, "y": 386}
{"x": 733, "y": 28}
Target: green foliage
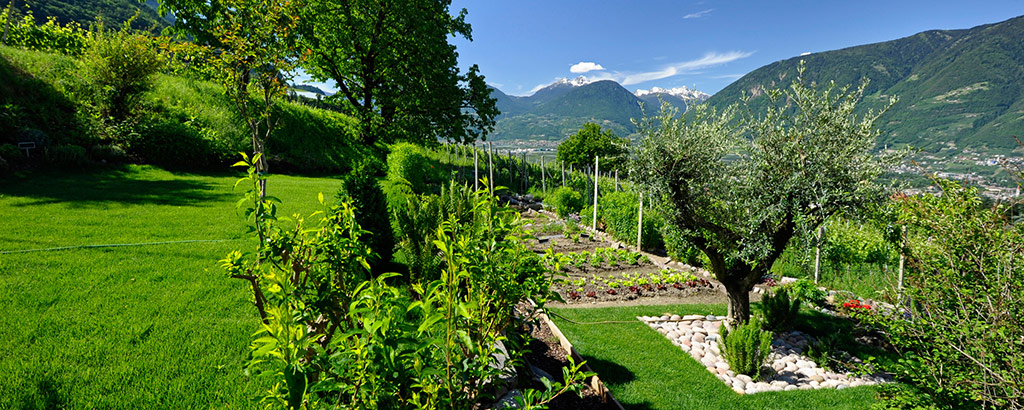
{"x": 619, "y": 213}
{"x": 739, "y": 191}
{"x": 362, "y": 190}
{"x": 87, "y": 12}
{"x": 411, "y": 163}
{"x": 590, "y": 141}
{"x": 332, "y": 337}
{"x": 416, "y": 224}
{"x": 110, "y": 154}
{"x": 566, "y": 201}
{"x": 803, "y": 289}
{"x": 746, "y": 348}
{"x": 10, "y": 153}
{"x": 116, "y": 69}
{"x": 396, "y": 70}
{"x": 780, "y": 310}
{"x": 849, "y": 243}
{"x": 959, "y": 334}
{"x": 37, "y": 92}
{"x": 67, "y": 156}
{"x": 68, "y": 38}
{"x": 176, "y": 145}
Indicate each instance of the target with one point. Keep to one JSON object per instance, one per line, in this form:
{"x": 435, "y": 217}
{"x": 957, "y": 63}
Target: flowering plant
{"x": 854, "y": 305}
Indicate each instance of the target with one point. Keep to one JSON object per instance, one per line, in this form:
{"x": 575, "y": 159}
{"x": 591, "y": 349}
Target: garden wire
{"x": 115, "y": 245}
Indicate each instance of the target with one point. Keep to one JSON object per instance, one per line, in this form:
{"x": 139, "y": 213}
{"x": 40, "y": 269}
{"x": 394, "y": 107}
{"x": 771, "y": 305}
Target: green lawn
{"x": 156, "y": 326}
{"x": 645, "y": 371}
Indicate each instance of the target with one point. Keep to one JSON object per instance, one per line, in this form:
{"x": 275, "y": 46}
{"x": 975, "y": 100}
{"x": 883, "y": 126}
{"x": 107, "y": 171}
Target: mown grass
{"x": 645, "y": 371}
{"x": 156, "y": 326}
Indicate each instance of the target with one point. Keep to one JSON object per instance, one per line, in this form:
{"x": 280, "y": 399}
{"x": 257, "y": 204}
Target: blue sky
{"x": 522, "y": 44}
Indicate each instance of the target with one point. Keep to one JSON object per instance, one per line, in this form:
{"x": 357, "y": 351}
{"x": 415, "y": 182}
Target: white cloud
{"x": 686, "y": 67}
{"x": 698, "y": 14}
{"x": 805, "y": 53}
{"x": 584, "y": 66}
{"x": 728, "y": 76}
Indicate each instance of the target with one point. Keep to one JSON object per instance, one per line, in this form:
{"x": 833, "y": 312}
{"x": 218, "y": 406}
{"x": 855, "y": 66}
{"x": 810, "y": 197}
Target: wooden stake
{"x": 490, "y": 166}
{"x": 640, "y": 223}
{"x": 596, "y": 165}
{"x": 476, "y": 171}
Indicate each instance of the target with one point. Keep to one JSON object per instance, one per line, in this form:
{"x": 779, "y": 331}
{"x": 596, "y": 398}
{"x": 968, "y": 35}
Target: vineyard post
{"x": 903, "y": 245}
{"x": 476, "y": 171}
{"x": 543, "y": 180}
{"x": 511, "y": 174}
{"x": 817, "y": 254}
{"x": 616, "y": 180}
{"x": 563, "y": 171}
{"x": 640, "y": 222}
{"x": 596, "y": 173}
{"x": 490, "y": 166}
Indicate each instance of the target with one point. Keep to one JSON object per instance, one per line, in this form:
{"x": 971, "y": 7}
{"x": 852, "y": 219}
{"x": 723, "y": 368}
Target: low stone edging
{"x": 699, "y": 336}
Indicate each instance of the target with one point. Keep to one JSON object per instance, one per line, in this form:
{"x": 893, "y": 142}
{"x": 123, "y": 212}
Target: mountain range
{"x": 561, "y": 108}
{"x": 957, "y": 89}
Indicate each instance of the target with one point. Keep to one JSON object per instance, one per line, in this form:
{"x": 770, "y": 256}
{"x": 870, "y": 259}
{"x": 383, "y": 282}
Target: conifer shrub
{"x": 746, "y": 348}
{"x": 780, "y": 310}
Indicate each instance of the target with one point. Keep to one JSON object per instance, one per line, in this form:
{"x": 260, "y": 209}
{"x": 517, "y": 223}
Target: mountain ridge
{"x": 959, "y": 88}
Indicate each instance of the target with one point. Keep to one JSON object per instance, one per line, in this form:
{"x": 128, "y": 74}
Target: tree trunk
{"x": 739, "y": 302}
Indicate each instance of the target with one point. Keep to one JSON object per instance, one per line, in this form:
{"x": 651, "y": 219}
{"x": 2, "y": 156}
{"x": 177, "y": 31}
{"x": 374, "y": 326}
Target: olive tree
{"x": 739, "y": 184}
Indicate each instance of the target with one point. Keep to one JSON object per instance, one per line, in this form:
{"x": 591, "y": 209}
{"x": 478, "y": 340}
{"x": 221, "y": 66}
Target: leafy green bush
{"x": 361, "y": 188}
{"x": 67, "y": 156}
{"x": 806, "y": 290}
{"x": 619, "y": 212}
{"x": 175, "y": 145}
{"x": 746, "y": 348}
{"x": 117, "y": 68}
{"x": 412, "y": 163}
{"x": 566, "y": 201}
{"x": 780, "y": 311}
{"x": 333, "y": 337}
{"x": 69, "y": 39}
{"x": 961, "y": 337}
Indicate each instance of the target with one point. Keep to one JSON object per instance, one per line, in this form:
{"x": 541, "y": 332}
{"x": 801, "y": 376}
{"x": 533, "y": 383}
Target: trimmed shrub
{"x": 746, "y": 348}
{"x": 780, "y": 311}
{"x": 362, "y": 189}
{"x": 67, "y": 156}
{"x": 566, "y": 201}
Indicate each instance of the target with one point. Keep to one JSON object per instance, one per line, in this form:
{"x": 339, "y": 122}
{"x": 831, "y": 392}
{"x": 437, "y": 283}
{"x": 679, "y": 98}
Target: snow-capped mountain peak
{"x": 575, "y": 82}
{"x": 681, "y": 92}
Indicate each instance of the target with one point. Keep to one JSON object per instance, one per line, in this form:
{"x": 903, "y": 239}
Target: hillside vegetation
{"x": 960, "y": 87}
{"x": 187, "y": 122}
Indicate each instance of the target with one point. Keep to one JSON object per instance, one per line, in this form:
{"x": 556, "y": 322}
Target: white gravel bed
{"x": 789, "y": 368}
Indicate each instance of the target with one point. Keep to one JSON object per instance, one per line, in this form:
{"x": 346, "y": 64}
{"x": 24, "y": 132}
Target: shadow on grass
{"x": 102, "y": 186}
{"x": 44, "y": 396}
{"x": 610, "y": 372}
